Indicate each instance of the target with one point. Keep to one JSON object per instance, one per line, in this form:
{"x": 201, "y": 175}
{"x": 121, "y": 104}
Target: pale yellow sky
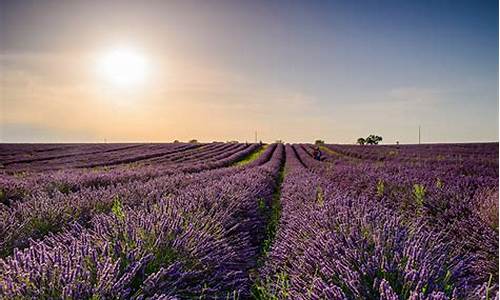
{"x": 221, "y": 70}
{"x": 63, "y": 93}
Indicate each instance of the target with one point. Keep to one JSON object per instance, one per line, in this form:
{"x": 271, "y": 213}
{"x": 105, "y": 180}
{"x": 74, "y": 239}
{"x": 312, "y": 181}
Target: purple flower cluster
{"x": 182, "y": 236}
{"x": 357, "y": 229}
{"x": 21, "y": 185}
{"x": 212, "y": 221}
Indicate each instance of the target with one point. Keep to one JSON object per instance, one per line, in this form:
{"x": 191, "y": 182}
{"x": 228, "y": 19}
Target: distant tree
{"x": 361, "y": 141}
{"x": 319, "y": 142}
{"x": 373, "y": 139}
{"x": 193, "y": 141}
{"x": 279, "y": 142}
{"x": 176, "y": 142}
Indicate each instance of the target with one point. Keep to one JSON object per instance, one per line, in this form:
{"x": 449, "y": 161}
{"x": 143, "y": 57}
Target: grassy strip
{"x": 273, "y": 214}
{"x": 251, "y": 157}
{"x": 338, "y": 154}
{"x": 330, "y": 151}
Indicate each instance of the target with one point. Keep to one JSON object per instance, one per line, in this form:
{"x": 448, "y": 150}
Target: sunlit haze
{"x": 89, "y": 71}
{"x": 122, "y": 66}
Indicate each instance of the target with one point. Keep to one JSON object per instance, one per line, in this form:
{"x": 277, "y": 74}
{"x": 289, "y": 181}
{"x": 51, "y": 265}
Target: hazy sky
{"x": 221, "y": 70}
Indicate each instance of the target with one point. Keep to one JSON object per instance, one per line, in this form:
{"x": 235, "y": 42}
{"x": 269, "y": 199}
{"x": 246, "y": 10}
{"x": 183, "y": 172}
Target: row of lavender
{"x": 477, "y": 153}
{"x": 95, "y": 155}
{"x": 180, "y": 228}
{"x": 17, "y": 187}
{"x": 45, "y": 210}
{"x": 187, "y": 235}
{"x": 359, "y": 229}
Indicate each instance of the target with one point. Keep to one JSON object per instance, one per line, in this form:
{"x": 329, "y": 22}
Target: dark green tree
{"x": 373, "y": 139}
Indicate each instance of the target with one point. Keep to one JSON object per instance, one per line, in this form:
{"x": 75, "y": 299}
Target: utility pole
{"x": 255, "y": 136}
{"x": 419, "y": 134}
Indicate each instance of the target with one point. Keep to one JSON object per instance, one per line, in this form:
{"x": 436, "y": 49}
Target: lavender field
{"x": 248, "y": 221}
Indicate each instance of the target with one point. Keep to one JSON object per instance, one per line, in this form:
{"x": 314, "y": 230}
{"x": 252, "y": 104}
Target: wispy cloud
{"x": 416, "y": 95}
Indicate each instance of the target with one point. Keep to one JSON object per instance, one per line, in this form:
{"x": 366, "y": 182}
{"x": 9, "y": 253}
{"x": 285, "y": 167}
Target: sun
{"x": 123, "y": 67}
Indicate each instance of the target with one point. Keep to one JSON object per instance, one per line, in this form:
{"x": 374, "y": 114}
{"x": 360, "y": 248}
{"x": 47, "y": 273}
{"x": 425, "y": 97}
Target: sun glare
{"x": 123, "y": 67}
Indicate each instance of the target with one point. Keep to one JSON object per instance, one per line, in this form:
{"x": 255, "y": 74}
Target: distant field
{"x": 240, "y": 221}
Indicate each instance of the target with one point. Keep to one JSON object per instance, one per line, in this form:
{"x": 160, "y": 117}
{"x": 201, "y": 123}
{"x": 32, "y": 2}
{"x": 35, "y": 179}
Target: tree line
{"x": 370, "y": 140}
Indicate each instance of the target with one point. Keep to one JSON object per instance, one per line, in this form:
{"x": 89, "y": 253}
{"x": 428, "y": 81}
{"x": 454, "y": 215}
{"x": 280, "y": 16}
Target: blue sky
{"x": 221, "y": 70}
